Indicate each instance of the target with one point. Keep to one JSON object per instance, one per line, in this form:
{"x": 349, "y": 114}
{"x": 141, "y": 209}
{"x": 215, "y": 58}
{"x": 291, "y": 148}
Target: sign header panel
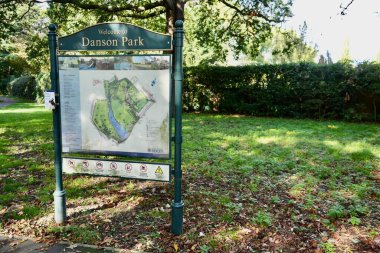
{"x": 114, "y": 36}
{"x": 126, "y": 169}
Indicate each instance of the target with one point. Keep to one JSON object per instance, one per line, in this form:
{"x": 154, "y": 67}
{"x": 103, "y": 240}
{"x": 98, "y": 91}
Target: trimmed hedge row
{"x": 334, "y": 91}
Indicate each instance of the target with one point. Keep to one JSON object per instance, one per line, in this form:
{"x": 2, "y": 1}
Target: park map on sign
{"x": 116, "y": 104}
{"x": 116, "y": 115}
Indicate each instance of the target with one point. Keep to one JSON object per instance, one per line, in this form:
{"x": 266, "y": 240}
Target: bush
{"x": 4, "y": 83}
{"x": 42, "y": 84}
{"x": 11, "y": 67}
{"x": 334, "y": 91}
{"x": 23, "y": 87}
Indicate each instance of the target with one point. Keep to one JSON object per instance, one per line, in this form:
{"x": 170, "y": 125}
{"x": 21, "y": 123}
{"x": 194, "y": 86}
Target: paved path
{"x": 24, "y": 245}
{"x": 4, "y": 101}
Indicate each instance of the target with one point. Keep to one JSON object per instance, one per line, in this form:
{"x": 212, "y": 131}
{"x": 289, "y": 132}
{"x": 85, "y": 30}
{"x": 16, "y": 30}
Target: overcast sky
{"x": 329, "y": 30}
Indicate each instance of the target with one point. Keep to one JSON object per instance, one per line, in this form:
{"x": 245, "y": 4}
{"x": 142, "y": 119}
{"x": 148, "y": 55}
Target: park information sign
{"x": 115, "y": 105}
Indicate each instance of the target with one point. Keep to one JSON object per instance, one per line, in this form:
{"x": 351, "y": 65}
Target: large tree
{"x": 237, "y": 22}
{"x": 286, "y": 46}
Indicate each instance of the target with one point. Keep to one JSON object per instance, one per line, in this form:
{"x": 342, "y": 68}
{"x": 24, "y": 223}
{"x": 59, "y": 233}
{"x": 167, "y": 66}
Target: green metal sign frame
{"x": 122, "y": 37}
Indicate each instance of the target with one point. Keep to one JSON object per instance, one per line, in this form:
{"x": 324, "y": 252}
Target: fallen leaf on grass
{"x": 175, "y": 246}
{"x": 73, "y": 246}
{"x": 245, "y": 231}
{"x": 12, "y": 244}
{"x": 107, "y": 240}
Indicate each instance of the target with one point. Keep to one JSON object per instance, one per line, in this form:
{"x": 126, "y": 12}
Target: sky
{"x": 330, "y": 30}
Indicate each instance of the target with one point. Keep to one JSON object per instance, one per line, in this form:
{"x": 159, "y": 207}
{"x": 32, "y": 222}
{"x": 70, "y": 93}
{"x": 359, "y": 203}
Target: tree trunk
{"x": 180, "y": 10}
{"x": 175, "y": 10}
{"x": 169, "y": 19}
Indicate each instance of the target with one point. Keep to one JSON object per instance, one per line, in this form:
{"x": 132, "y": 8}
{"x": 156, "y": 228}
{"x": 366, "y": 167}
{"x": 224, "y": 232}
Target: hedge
{"x": 23, "y": 87}
{"x": 28, "y": 87}
{"x": 330, "y": 91}
{"x": 333, "y": 91}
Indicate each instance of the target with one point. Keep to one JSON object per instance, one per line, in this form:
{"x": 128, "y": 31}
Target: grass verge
{"x": 249, "y": 184}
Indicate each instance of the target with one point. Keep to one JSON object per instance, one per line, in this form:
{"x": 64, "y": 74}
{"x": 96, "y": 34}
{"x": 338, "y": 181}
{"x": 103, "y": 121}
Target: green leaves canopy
{"x": 238, "y": 24}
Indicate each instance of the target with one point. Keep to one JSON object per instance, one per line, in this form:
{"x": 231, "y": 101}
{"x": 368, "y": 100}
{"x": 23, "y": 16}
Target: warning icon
{"x": 159, "y": 171}
{"x": 128, "y": 167}
{"x": 143, "y": 168}
{"x": 99, "y": 165}
{"x": 85, "y": 164}
{"x": 113, "y": 166}
{"x": 71, "y": 163}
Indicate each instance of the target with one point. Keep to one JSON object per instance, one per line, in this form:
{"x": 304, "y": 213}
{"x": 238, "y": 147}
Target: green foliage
{"x": 24, "y": 50}
{"x": 286, "y": 46}
{"x": 214, "y": 28}
{"x": 346, "y": 57}
{"x": 80, "y": 233}
{"x": 305, "y": 90}
{"x": 23, "y": 87}
{"x": 42, "y": 84}
{"x": 8, "y": 17}
{"x": 358, "y": 210}
{"x": 262, "y": 219}
{"x": 368, "y": 84}
{"x": 328, "y": 247}
{"x": 354, "y": 221}
{"x": 11, "y": 66}
{"x": 28, "y": 212}
{"x": 335, "y": 212}
{"x": 204, "y": 248}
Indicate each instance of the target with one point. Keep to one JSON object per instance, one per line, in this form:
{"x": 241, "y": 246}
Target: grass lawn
{"x": 250, "y": 184}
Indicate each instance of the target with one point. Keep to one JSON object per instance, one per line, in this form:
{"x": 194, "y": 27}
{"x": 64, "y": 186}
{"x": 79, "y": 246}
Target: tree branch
{"x": 249, "y": 12}
{"x": 345, "y": 8}
{"x": 143, "y": 16}
{"x": 111, "y": 9}
{"x": 87, "y": 5}
{"x": 27, "y": 11}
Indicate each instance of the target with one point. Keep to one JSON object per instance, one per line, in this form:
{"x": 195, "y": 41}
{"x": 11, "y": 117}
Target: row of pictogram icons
{"x": 113, "y": 166}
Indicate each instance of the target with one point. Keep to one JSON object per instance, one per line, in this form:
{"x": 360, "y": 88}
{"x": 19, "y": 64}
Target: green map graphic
{"x": 116, "y": 116}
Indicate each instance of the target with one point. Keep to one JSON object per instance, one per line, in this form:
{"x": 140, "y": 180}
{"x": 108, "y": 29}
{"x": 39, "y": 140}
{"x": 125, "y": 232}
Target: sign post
{"x": 177, "y": 206}
{"x": 116, "y": 105}
{"x": 59, "y": 194}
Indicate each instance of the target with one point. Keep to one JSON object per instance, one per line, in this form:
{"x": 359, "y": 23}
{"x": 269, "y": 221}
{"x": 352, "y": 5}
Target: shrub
{"x": 306, "y": 90}
{"x": 42, "y": 84}
{"x": 11, "y": 67}
{"x": 23, "y": 87}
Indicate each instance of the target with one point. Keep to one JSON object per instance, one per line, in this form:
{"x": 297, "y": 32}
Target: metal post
{"x": 59, "y": 194}
{"x": 177, "y": 205}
